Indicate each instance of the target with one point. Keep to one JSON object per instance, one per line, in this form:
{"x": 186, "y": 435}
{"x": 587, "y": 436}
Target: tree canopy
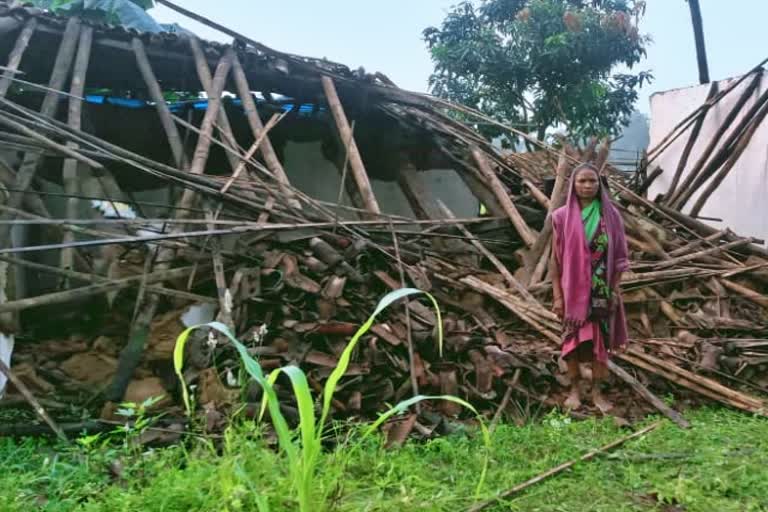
{"x": 538, "y": 64}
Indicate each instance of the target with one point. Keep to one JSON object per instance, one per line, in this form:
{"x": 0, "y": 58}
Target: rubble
{"x": 294, "y": 276}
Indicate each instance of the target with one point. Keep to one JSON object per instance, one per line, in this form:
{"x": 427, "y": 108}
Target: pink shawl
{"x": 574, "y": 258}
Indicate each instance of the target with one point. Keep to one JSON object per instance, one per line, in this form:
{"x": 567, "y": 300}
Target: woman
{"x": 588, "y": 258}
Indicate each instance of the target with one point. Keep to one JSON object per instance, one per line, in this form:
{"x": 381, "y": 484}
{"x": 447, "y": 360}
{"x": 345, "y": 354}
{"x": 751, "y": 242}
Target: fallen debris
{"x": 294, "y": 276}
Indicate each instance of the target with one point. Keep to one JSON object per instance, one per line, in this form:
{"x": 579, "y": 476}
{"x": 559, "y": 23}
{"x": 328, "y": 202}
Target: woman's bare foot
{"x": 600, "y": 401}
{"x": 573, "y": 401}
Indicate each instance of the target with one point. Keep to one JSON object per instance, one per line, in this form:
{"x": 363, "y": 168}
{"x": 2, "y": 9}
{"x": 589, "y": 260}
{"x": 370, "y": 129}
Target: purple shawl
{"x": 574, "y": 258}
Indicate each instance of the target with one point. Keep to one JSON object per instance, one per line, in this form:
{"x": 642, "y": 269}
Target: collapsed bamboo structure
{"x": 233, "y": 235}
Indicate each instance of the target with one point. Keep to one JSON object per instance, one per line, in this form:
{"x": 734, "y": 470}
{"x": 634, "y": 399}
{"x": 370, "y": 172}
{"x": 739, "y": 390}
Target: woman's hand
{"x": 558, "y": 307}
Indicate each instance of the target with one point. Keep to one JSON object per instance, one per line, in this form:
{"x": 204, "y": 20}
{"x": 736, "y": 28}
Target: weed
{"x": 303, "y": 456}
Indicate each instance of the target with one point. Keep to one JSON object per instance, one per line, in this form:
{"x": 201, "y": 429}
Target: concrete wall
{"x": 310, "y": 172}
{"x": 740, "y": 199}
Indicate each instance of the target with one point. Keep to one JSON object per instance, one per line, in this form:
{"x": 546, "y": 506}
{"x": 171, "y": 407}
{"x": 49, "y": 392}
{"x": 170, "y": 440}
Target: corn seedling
{"x": 303, "y": 455}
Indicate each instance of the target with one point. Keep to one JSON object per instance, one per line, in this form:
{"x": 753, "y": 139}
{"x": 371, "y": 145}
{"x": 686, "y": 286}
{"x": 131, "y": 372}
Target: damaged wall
{"x": 316, "y": 176}
{"x": 740, "y": 199}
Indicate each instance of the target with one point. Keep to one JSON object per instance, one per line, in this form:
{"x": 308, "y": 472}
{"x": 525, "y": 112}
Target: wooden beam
{"x": 355, "y": 160}
{"x": 156, "y": 95}
{"x": 74, "y": 119}
{"x": 495, "y": 184}
{"x": 14, "y": 59}
{"x": 28, "y": 169}
{"x": 257, "y": 127}
{"x": 203, "y": 148}
{"x": 415, "y": 193}
{"x": 701, "y": 47}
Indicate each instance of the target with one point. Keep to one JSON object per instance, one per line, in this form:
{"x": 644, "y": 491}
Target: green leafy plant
{"x": 541, "y": 64}
{"x": 304, "y": 447}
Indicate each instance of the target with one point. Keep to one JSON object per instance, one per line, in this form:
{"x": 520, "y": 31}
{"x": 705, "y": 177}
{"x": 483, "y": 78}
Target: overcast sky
{"x": 386, "y": 36}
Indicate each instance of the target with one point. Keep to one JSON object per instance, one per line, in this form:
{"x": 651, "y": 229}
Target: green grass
{"x": 721, "y": 464}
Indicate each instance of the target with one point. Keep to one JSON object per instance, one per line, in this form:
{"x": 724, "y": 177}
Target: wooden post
{"x": 355, "y": 160}
{"x": 415, "y": 193}
{"x": 701, "y": 47}
{"x": 257, "y": 127}
{"x": 203, "y": 149}
{"x": 204, "y": 74}
{"x": 14, "y": 59}
{"x": 28, "y": 169}
{"x": 70, "y": 168}
{"x": 131, "y": 354}
{"x": 504, "y": 200}
{"x": 156, "y": 95}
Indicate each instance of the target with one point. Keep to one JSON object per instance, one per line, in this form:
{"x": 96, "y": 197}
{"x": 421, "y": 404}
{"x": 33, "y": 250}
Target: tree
{"x": 538, "y": 64}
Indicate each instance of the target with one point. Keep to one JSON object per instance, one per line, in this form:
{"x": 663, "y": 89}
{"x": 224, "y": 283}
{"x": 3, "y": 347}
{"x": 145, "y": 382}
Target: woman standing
{"x": 589, "y": 255}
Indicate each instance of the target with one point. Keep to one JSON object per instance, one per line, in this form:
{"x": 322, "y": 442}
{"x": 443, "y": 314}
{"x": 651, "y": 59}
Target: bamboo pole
{"x": 641, "y": 390}
{"x": 28, "y": 170}
{"x": 156, "y": 95}
{"x": 14, "y": 59}
{"x": 495, "y": 184}
{"x": 29, "y": 397}
{"x": 257, "y": 128}
{"x": 563, "y": 467}
{"x": 539, "y": 249}
{"x": 356, "y": 165}
{"x": 70, "y": 169}
{"x": 745, "y": 291}
{"x": 691, "y": 142}
{"x": 694, "y": 177}
{"x": 706, "y": 252}
{"x": 742, "y": 144}
{"x": 496, "y": 262}
{"x": 415, "y": 193}
{"x": 89, "y": 291}
{"x": 204, "y": 74}
{"x": 202, "y": 151}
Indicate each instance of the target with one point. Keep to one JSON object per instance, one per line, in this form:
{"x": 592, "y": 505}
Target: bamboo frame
{"x": 14, "y": 59}
{"x": 356, "y": 165}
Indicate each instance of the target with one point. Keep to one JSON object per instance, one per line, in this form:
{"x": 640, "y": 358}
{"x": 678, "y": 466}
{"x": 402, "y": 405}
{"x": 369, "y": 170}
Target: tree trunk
{"x": 698, "y": 34}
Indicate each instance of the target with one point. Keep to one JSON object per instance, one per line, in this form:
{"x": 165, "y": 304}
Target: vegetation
{"x": 130, "y": 13}
{"x": 302, "y": 449}
{"x": 717, "y": 465}
{"x": 538, "y": 64}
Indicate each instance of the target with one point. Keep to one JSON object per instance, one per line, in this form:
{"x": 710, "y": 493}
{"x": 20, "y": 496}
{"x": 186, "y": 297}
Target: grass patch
{"x": 719, "y": 464}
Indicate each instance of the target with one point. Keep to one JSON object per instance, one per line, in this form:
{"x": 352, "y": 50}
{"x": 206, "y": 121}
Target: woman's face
{"x": 587, "y": 184}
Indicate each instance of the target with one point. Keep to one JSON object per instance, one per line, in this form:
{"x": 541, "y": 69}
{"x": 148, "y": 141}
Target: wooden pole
{"x": 559, "y": 469}
{"x": 59, "y": 74}
{"x": 203, "y": 149}
{"x": 641, "y": 390}
{"x": 741, "y": 146}
{"x": 70, "y": 168}
{"x": 257, "y": 127}
{"x": 14, "y": 59}
{"x": 355, "y": 160}
{"x": 156, "y": 95}
{"x": 539, "y": 249}
{"x": 691, "y": 141}
{"x": 29, "y": 397}
{"x": 415, "y": 193}
{"x": 204, "y": 74}
{"x": 502, "y": 196}
{"x": 692, "y": 179}
{"x": 698, "y": 34}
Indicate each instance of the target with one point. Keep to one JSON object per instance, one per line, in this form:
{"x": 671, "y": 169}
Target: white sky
{"x": 386, "y": 36}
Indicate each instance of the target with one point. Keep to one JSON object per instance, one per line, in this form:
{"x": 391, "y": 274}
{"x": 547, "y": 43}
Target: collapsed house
{"x": 284, "y": 201}
{"x": 716, "y": 167}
